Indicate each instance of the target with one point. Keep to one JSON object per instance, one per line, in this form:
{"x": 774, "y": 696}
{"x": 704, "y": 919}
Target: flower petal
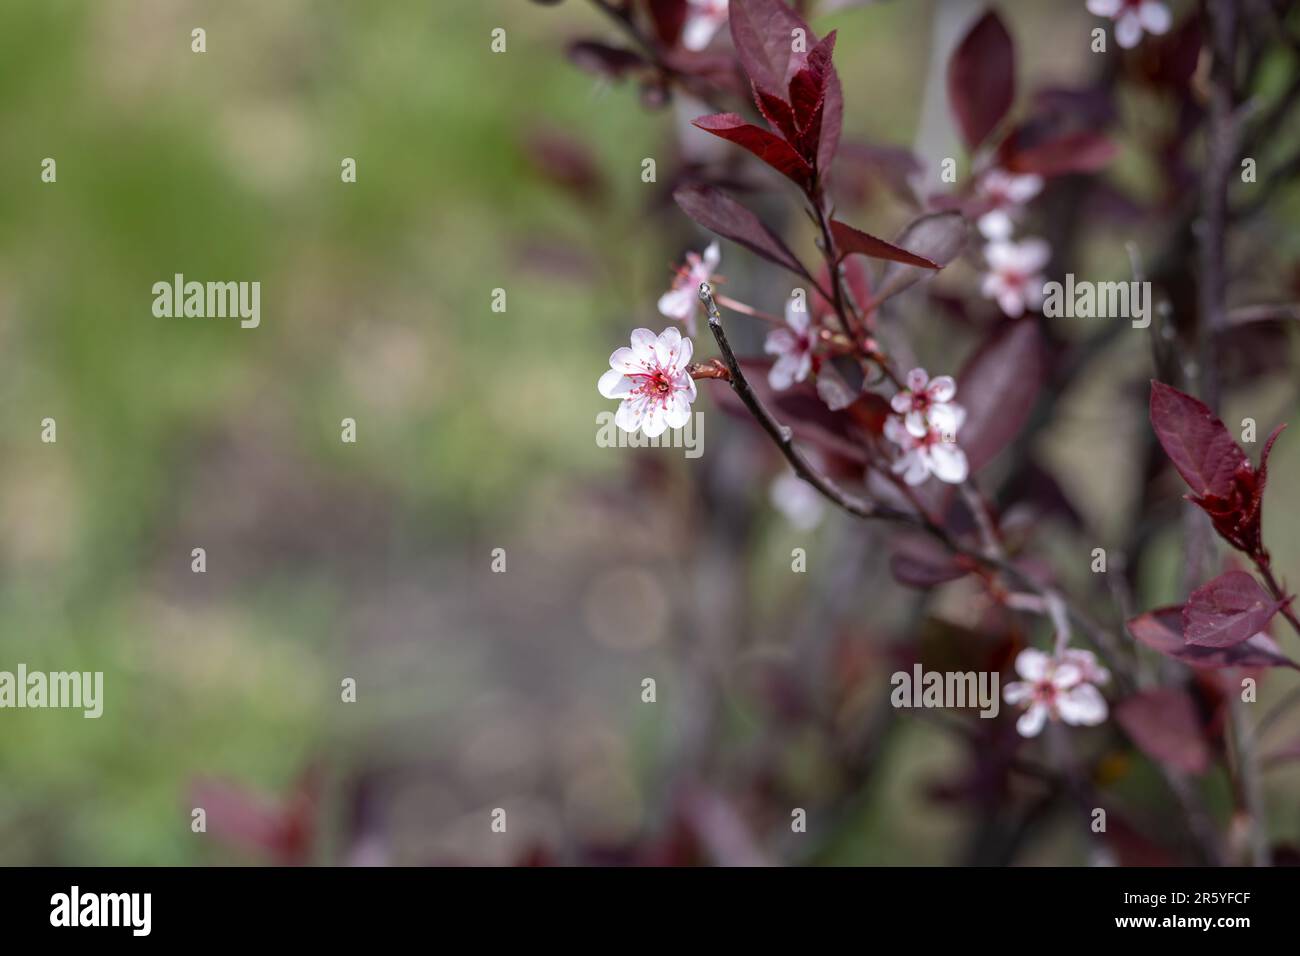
{"x": 643, "y": 345}
{"x": 942, "y": 389}
{"x": 667, "y": 345}
{"x": 614, "y": 384}
{"x": 1154, "y": 16}
{"x": 624, "y": 360}
{"x": 1128, "y": 30}
{"x": 1105, "y": 8}
{"x": 779, "y": 342}
{"x": 712, "y": 257}
{"x": 677, "y": 304}
{"x": 678, "y": 412}
{"x": 1017, "y": 692}
{"x": 1031, "y": 721}
{"x": 1082, "y": 705}
{"x": 949, "y": 463}
{"x": 796, "y": 314}
{"x": 629, "y": 414}
{"x": 917, "y": 380}
{"x": 1032, "y": 664}
{"x": 782, "y": 374}
{"x": 996, "y": 224}
{"x": 655, "y": 422}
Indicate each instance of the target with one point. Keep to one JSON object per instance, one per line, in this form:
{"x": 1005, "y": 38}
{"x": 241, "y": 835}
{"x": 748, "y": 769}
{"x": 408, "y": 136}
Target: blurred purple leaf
{"x": 1165, "y": 726}
{"x": 1162, "y": 630}
{"x": 718, "y": 212}
{"x": 998, "y": 387}
{"x": 1232, "y": 608}
{"x": 938, "y": 237}
{"x": 1196, "y": 441}
{"x": 982, "y": 79}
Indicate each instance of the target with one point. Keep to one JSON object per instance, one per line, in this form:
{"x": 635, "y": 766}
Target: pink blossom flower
{"x": 926, "y": 404}
{"x": 1132, "y": 17}
{"x": 703, "y": 19}
{"x": 1059, "y": 689}
{"x": 793, "y": 346}
{"x": 652, "y": 380}
{"x": 1005, "y": 195}
{"x": 933, "y": 453}
{"x": 1015, "y": 276}
{"x": 682, "y": 300}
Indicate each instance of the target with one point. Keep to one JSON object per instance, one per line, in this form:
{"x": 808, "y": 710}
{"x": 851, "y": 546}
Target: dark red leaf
{"x": 998, "y": 387}
{"x": 777, "y": 112}
{"x": 982, "y": 79}
{"x": 832, "y": 122}
{"x": 761, "y": 31}
{"x": 808, "y": 85}
{"x": 938, "y": 236}
{"x": 1195, "y": 440}
{"x": 856, "y": 242}
{"x": 1166, "y": 727}
{"x": 1232, "y": 608}
{"x": 895, "y": 166}
{"x": 767, "y": 146}
{"x": 1083, "y": 152}
{"x": 1263, "y": 456}
{"x": 669, "y": 17}
{"x": 718, "y": 212}
{"x": 1162, "y": 630}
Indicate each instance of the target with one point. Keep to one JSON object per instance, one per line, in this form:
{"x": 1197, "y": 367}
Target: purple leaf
{"x": 1195, "y": 440}
{"x": 937, "y": 236}
{"x": 808, "y": 85}
{"x": 832, "y": 121}
{"x": 1232, "y": 608}
{"x": 767, "y": 146}
{"x": 718, "y": 212}
{"x": 1162, "y": 630}
{"x": 998, "y": 387}
{"x": 982, "y": 79}
{"x": 777, "y": 112}
{"x": 852, "y": 241}
{"x": 1166, "y": 727}
{"x": 761, "y": 31}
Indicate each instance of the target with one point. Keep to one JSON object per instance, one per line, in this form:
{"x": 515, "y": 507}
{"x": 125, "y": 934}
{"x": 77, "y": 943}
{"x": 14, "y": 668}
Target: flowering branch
{"x": 782, "y": 435}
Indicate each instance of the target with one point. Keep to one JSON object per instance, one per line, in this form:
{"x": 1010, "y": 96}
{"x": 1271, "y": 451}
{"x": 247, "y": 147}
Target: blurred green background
{"x": 475, "y": 430}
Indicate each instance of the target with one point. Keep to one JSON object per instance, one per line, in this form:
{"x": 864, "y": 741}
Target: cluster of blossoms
{"x": 1133, "y": 18}
{"x": 1057, "y": 688}
{"x": 1015, "y": 277}
{"x": 656, "y": 389}
{"x": 925, "y": 429}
